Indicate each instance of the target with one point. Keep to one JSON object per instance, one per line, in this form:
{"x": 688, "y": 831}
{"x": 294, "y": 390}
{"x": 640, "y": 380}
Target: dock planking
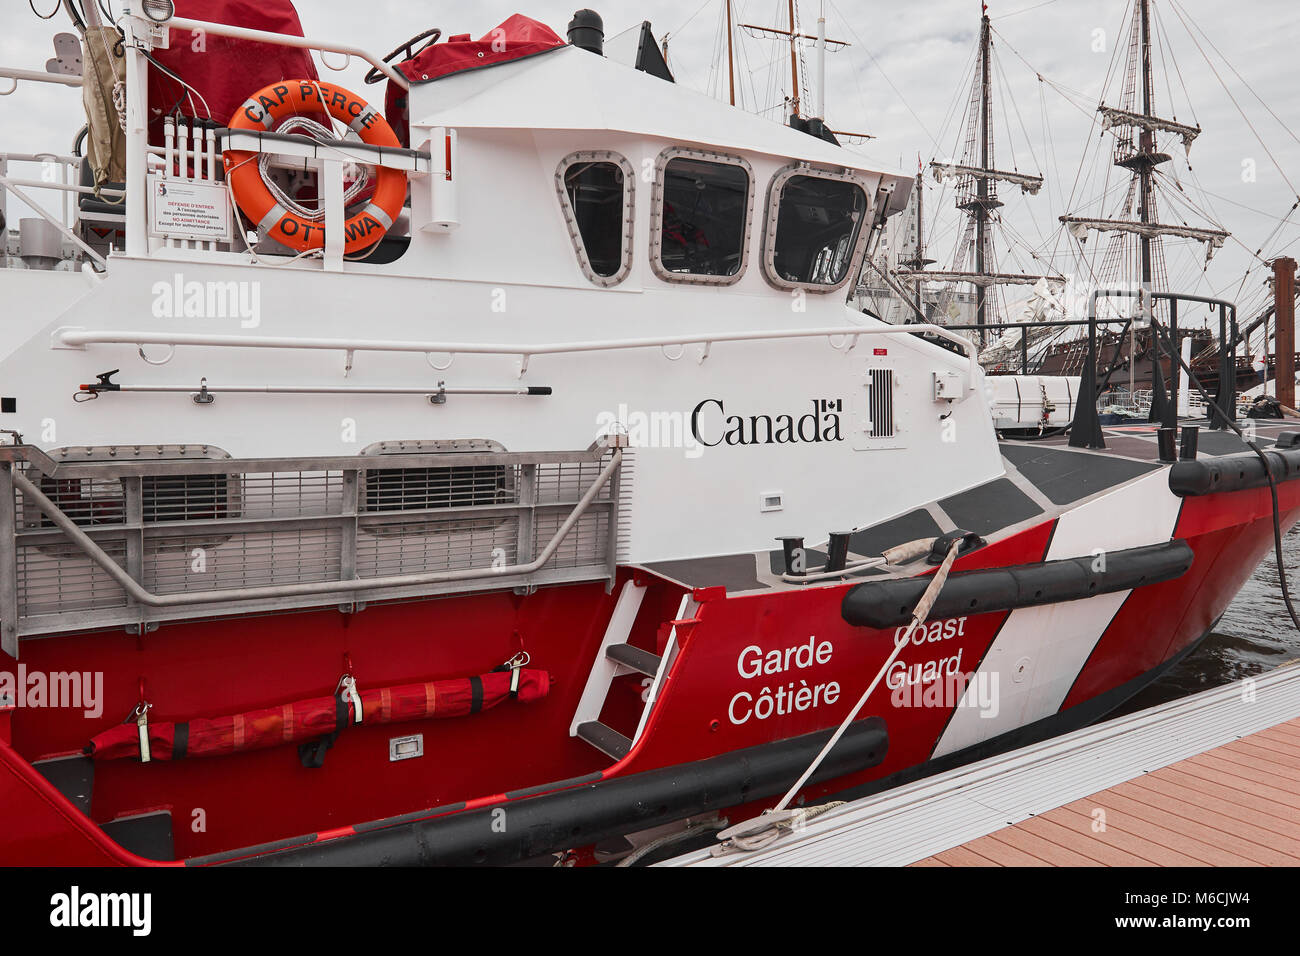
{"x": 1211, "y": 779}
{"x": 1235, "y": 805}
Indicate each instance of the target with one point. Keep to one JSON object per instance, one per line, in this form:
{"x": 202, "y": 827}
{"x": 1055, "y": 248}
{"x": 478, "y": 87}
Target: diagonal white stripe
{"x": 1040, "y": 651}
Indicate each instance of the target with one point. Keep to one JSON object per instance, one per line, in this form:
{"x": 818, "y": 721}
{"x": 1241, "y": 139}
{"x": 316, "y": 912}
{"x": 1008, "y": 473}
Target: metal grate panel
{"x": 194, "y": 528}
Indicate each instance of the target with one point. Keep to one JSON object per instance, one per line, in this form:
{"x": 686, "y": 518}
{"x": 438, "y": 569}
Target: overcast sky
{"x": 903, "y": 76}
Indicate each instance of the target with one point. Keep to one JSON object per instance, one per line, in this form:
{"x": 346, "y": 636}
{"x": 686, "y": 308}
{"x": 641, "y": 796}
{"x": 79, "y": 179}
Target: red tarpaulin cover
{"x": 514, "y": 39}
{"x": 224, "y": 70}
{"x": 311, "y": 719}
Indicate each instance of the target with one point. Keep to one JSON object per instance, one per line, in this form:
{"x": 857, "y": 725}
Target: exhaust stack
{"x": 587, "y": 31}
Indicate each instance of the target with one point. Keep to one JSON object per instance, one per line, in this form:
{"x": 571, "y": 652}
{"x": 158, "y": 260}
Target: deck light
{"x": 159, "y": 11}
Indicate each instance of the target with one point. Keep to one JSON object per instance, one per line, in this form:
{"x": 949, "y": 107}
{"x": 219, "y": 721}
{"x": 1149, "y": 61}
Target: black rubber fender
{"x": 886, "y": 604}
{"x": 1209, "y": 476}
{"x": 583, "y": 815}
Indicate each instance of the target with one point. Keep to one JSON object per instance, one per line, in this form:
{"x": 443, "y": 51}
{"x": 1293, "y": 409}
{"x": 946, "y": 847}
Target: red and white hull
{"x": 747, "y": 671}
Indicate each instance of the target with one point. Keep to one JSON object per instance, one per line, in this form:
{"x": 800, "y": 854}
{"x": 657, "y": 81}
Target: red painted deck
{"x": 1235, "y": 805}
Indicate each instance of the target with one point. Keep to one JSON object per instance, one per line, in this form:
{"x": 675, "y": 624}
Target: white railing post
{"x": 444, "y": 214}
{"x": 183, "y": 160}
{"x": 4, "y": 212}
{"x": 8, "y": 564}
{"x": 67, "y": 194}
{"x": 169, "y": 162}
{"x": 329, "y": 173}
{"x": 210, "y": 174}
{"x": 137, "y": 112}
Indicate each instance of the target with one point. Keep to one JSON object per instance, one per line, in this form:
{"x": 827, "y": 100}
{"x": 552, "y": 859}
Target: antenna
{"x": 731, "y": 57}
{"x": 791, "y": 35}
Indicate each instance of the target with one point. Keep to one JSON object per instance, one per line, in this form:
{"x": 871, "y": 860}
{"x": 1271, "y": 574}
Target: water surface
{"x": 1254, "y": 635}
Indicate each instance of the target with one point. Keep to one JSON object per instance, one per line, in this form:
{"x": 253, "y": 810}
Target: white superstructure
{"x": 736, "y": 389}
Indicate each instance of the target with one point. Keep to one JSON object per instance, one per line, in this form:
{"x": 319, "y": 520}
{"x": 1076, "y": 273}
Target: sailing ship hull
{"x": 1114, "y": 357}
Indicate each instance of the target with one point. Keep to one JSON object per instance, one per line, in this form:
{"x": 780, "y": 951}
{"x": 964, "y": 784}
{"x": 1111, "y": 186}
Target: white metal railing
{"x": 138, "y": 242}
{"x": 68, "y": 169}
{"x": 75, "y": 338}
{"x": 282, "y": 39}
{"x": 1139, "y": 402}
{"x": 196, "y": 163}
{"x": 177, "y": 156}
{"x": 35, "y": 76}
{"x": 71, "y": 188}
{"x": 8, "y": 186}
{"x": 1132, "y": 403}
{"x": 68, "y": 175}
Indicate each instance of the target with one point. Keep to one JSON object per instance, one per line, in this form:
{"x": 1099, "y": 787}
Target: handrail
{"x": 265, "y": 36}
{"x": 126, "y": 467}
{"x": 78, "y": 338}
{"x": 1085, "y": 431}
{"x": 37, "y": 76}
{"x": 40, "y": 158}
{"x": 148, "y": 598}
{"x": 65, "y": 187}
{"x": 7, "y": 184}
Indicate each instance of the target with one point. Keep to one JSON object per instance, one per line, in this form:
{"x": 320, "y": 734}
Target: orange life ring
{"x": 265, "y": 110}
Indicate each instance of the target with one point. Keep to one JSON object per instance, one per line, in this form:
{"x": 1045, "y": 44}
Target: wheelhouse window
{"x": 815, "y": 230}
{"x": 702, "y": 212}
{"x": 595, "y": 191}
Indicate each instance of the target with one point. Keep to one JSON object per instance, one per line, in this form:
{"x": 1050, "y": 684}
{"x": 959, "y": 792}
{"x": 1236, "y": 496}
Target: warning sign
{"x": 180, "y": 209}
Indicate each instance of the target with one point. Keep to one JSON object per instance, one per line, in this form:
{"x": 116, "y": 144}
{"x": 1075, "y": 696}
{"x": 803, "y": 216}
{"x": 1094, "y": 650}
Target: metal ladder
{"x": 616, "y": 658}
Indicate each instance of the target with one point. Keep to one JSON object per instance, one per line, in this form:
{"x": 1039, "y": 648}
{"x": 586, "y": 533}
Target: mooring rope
{"x": 763, "y": 830}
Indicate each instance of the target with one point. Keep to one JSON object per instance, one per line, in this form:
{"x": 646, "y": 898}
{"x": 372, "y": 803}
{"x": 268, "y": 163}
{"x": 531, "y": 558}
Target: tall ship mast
{"x": 916, "y": 263}
{"x": 1137, "y": 151}
{"x": 977, "y": 176}
{"x": 1134, "y": 255}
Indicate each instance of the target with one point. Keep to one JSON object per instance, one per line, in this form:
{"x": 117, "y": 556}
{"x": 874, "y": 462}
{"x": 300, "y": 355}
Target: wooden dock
{"x": 1208, "y": 780}
{"x": 1235, "y": 805}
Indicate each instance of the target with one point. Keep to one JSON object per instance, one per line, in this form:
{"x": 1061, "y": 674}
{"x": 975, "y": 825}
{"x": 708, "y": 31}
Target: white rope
{"x": 821, "y": 574}
{"x": 790, "y": 821}
{"x": 119, "y": 103}
{"x": 772, "y": 824}
{"x": 239, "y": 226}
{"x": 282, "y": 197}
{"x": 919, "y": 616}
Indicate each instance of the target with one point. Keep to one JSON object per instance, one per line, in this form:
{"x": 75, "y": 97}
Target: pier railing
{"x": 1163, "y": 403}
{"x": 1085, "y": 432}
{"x": 135, "y": 540}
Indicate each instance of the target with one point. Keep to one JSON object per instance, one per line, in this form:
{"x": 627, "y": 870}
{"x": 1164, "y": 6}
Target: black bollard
{"x": 838, "y": 550}
{"x": 1165, "y": 439}
{"x": 794, "y": 554}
